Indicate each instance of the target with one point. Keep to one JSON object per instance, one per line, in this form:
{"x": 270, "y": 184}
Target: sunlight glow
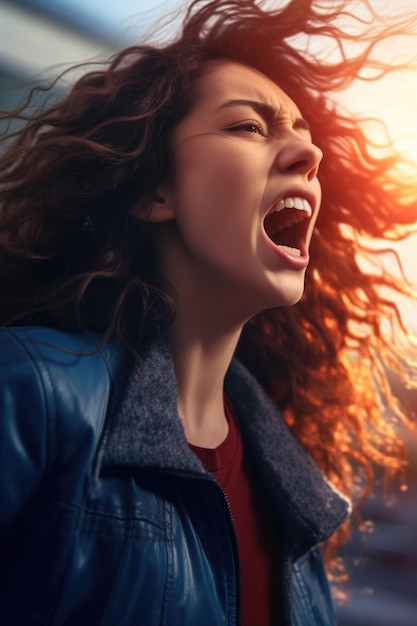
{"x": 406, "y": 144}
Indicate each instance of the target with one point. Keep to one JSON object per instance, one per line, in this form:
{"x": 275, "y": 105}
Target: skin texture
{"x": 231, "y": 165}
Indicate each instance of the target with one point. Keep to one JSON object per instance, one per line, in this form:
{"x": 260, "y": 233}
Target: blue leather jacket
{"x": 107, "y": 517}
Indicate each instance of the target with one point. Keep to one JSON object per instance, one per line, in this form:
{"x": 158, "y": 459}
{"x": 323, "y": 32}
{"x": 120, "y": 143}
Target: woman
{"x": 160, "y": 363}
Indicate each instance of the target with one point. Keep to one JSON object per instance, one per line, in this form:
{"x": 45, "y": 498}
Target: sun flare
{"x": 406, "y": 144}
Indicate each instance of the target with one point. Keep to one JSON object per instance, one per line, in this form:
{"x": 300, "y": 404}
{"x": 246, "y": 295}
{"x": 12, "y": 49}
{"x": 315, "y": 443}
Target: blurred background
{"x": 39, "y": 38}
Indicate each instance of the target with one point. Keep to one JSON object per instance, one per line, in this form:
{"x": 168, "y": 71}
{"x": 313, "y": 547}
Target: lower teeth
{"x": 293, "y": 251}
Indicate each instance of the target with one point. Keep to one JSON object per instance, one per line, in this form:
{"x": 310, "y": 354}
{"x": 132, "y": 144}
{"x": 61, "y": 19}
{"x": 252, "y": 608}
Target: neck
{"x": 209, "y": 319}
{"x": 201, "y": 361}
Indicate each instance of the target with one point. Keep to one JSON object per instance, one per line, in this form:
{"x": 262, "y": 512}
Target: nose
{"x": 300, "y": 156}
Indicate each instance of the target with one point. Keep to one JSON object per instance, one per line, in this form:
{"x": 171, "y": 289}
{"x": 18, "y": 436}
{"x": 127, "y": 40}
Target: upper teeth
{"x": 294, "y": 203}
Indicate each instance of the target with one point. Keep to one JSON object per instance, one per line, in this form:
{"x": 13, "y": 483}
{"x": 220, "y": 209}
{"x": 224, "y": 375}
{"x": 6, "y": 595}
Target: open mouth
{"x": 286, "y": 223}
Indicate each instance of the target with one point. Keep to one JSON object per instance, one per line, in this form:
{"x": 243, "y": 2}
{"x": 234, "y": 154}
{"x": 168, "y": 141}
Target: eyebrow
{"x": 271, "y": 114}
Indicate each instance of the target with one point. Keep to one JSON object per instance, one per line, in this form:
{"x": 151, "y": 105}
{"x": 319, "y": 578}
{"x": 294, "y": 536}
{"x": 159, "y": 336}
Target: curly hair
{"x": 72, "y": 255}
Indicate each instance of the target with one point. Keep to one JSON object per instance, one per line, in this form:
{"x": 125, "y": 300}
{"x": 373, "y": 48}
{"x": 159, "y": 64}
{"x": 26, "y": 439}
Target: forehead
{"x": 228, "y": 80}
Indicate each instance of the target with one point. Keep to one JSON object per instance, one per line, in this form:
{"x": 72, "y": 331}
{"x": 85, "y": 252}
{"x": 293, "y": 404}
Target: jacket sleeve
{"x": 23, "y": 432}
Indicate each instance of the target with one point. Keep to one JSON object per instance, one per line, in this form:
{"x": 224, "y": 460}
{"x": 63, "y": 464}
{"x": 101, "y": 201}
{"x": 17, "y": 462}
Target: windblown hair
{"x": 72, "y": 255}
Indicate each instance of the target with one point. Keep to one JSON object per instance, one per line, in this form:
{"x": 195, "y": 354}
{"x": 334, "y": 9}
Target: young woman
{"x": 185, "y": 404}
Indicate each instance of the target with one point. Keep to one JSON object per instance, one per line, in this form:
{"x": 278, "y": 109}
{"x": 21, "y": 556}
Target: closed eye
{"x": 250, "y": 126}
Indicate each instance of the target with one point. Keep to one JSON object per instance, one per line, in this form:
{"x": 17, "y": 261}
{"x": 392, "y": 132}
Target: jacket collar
{"x": 145, "y": 431}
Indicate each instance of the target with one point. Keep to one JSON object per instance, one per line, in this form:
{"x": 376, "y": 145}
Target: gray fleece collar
{"x": 145, "y": 431}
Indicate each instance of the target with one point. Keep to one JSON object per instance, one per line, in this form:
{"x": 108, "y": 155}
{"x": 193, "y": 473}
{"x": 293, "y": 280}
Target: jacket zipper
{"x": 232, "y": 528}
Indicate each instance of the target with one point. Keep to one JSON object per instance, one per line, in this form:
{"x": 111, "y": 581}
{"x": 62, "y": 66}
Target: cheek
{"x": 216, "y": 183}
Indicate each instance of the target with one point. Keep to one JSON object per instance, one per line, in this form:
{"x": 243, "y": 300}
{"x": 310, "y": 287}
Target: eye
{"x": 250, "y": 126}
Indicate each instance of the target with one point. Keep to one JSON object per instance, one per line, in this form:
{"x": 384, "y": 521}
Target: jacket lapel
{"x": 144, "y": 430}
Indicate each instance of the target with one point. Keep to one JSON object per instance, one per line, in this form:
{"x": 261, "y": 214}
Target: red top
{"x": 256, "y": 526}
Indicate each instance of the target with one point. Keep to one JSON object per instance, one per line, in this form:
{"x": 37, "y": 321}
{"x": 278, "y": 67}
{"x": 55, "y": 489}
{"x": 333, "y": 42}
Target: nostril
{"x": 298, "y": 165}
{"x": 313, "y": 173}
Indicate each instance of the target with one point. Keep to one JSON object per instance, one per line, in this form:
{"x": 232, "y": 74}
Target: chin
{"x": 290, "y": 301}
{"x": 283, "y": 301}
{"x": 288, "y": 297}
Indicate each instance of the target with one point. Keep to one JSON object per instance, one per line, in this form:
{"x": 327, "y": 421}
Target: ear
{"x": 157, "y": 207}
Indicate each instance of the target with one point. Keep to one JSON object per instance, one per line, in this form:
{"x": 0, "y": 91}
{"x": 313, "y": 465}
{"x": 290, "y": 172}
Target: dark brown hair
{"x": 72, "y": 255}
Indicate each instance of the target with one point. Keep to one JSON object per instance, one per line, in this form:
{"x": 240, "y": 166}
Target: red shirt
{"x": 255, "y": 523}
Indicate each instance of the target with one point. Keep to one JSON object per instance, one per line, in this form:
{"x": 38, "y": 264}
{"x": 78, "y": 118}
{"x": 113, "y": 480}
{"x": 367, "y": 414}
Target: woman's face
{"x": 243, "y": 196}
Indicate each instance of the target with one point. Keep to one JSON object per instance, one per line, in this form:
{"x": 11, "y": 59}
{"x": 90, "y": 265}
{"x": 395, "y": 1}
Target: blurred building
{"x": 39, "y": 39}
